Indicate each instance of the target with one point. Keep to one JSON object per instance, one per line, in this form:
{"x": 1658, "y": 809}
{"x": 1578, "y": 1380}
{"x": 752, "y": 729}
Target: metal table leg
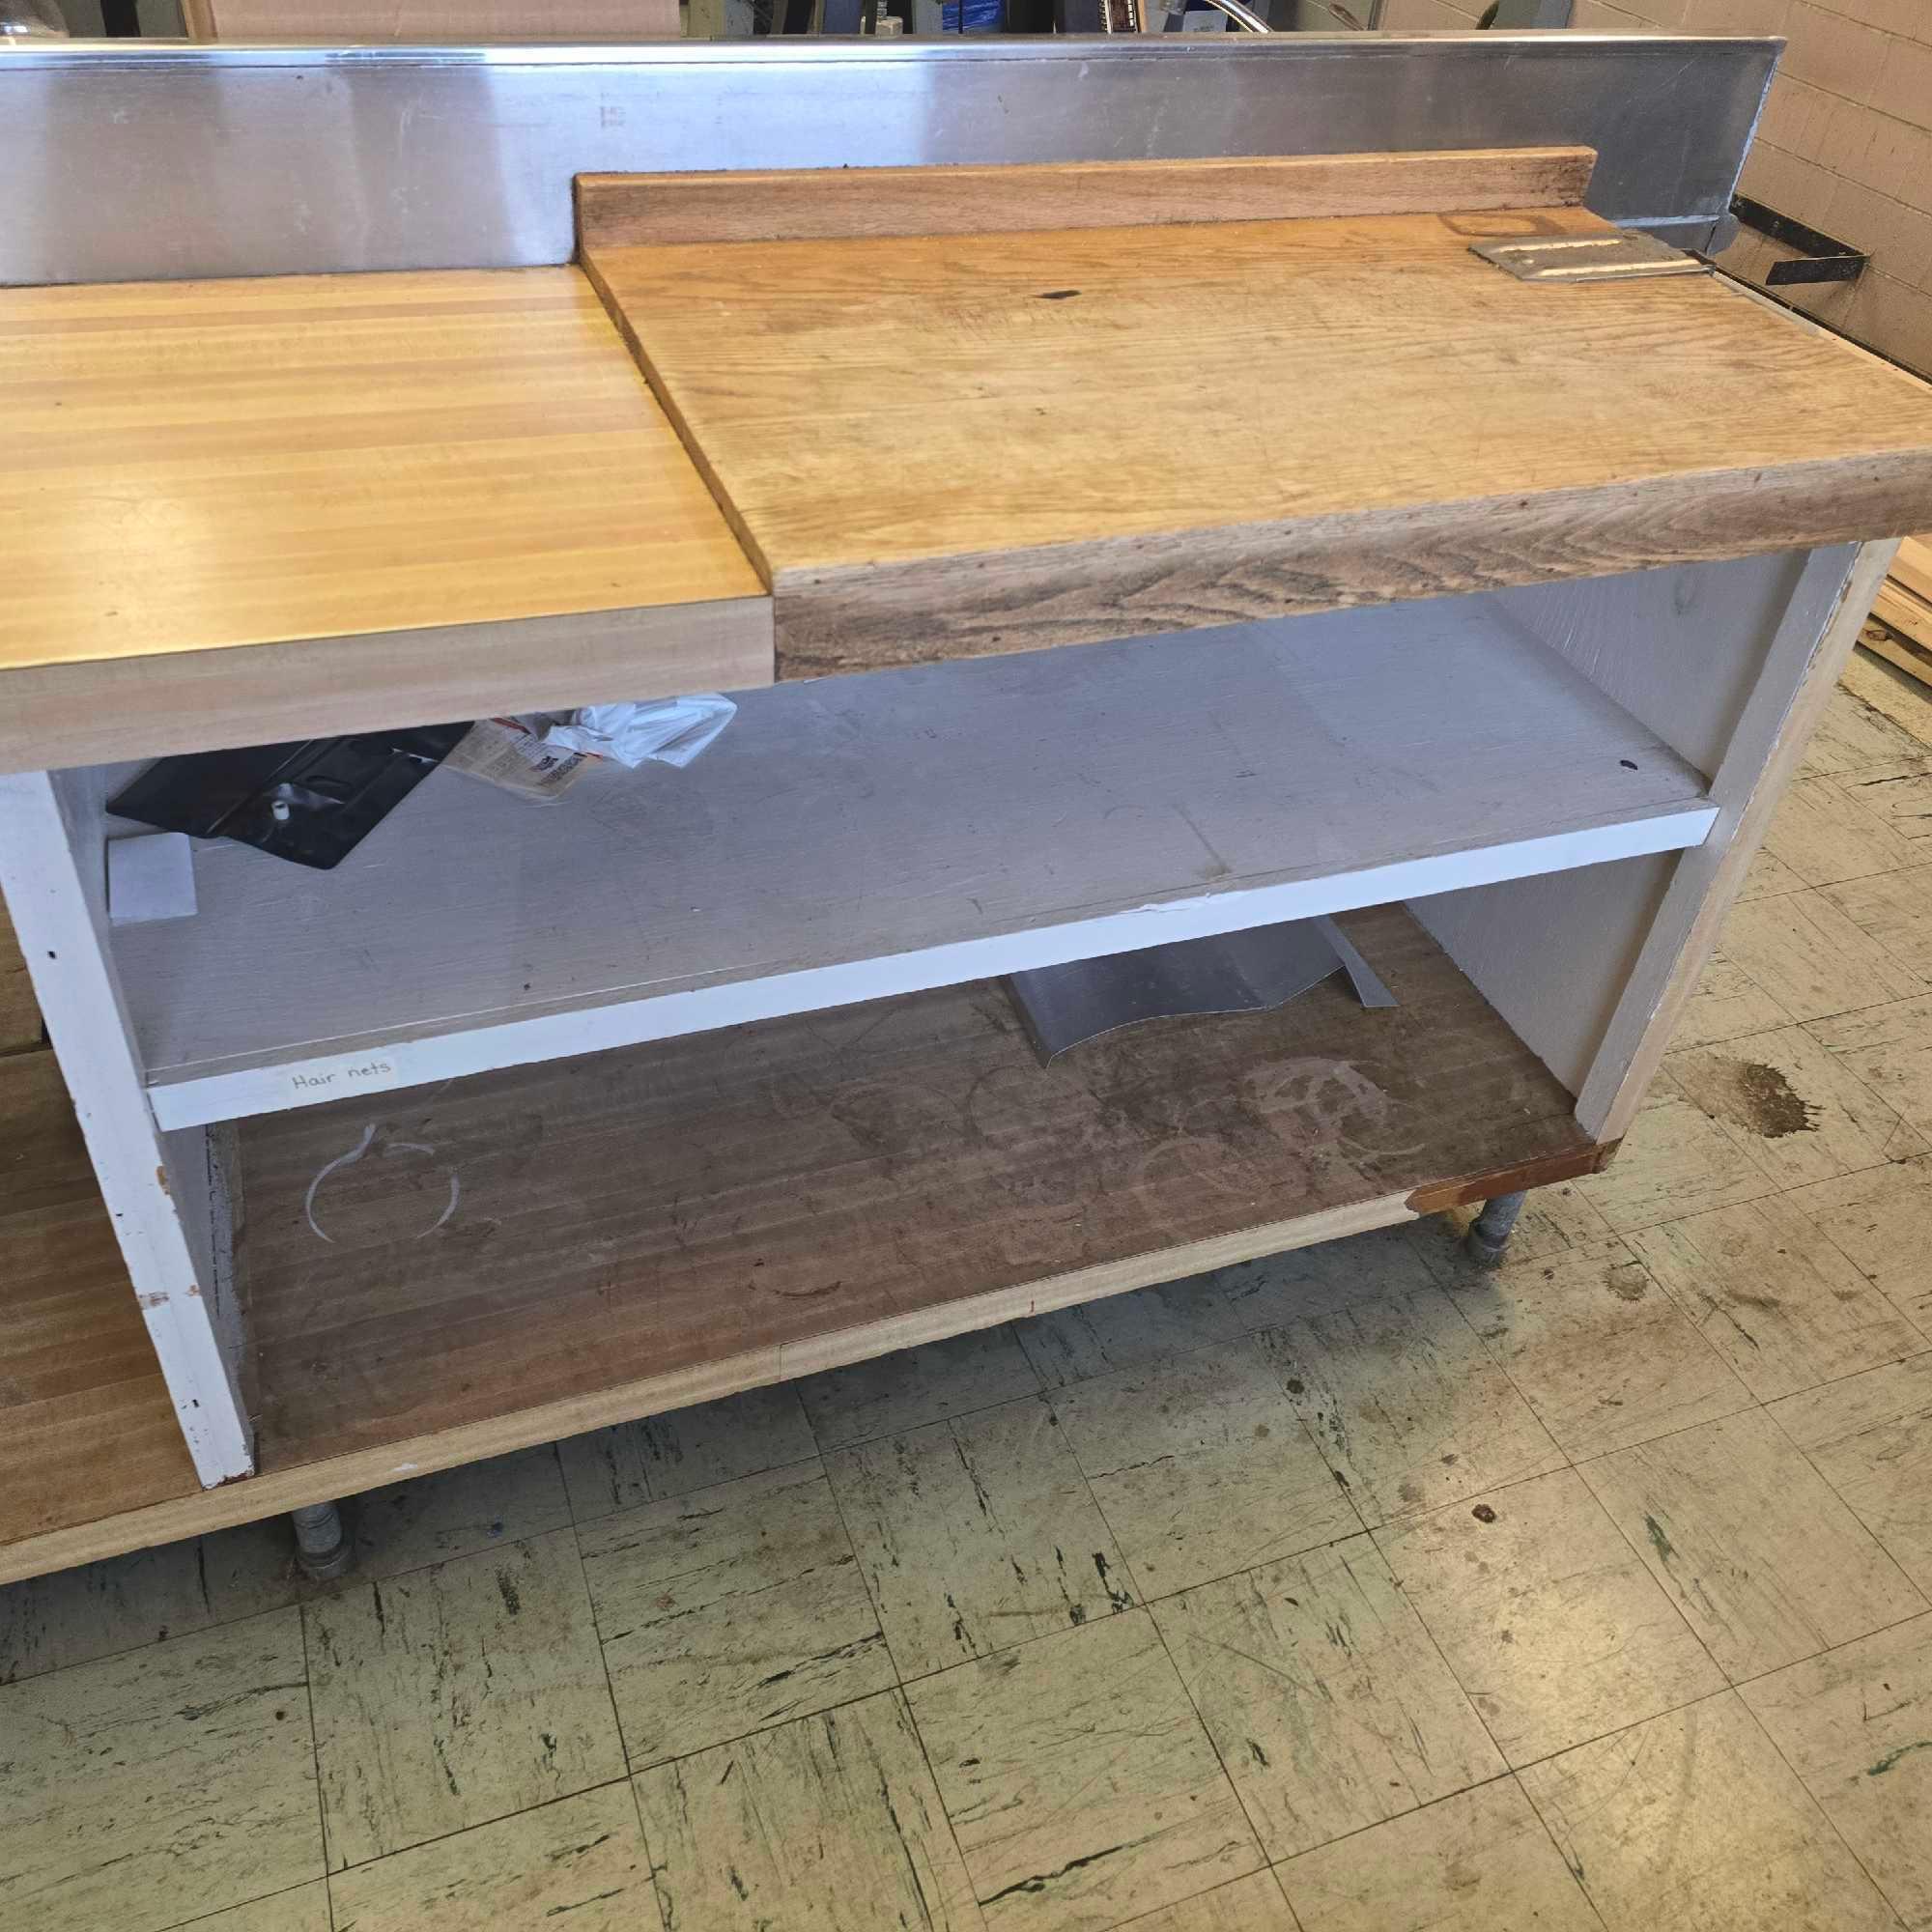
{"x": 322, "y": 1549}
{"x": 1489, "y": 1232}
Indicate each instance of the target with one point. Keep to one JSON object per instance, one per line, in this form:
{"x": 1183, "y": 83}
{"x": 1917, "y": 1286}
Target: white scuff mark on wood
{"x": 455, "y": 1195}
{"x": 329, "y": 1167}
{"x": 355, "y": 1154}
{"x": 455, "y": 1185}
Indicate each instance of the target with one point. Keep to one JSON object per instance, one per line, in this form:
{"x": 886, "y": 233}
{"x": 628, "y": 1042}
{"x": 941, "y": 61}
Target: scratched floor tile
{"x": 1811, "y": 959}
{"x": 1884, "y": 689}
{"x": 1404, "y": 1400}
{"x": 1200, "y": 1467}
{"x": 916, "y": 1385}
{"x": 687, "y": 1449}
{"x": 1856, "y": 1725}
{"x": 1693, "y": 1822}
{"x": 1870, "y": 1437}
{"x": 1888, "y": 1046}
{"x": 1326, "y": 1701}
{"x": 1127, "y": 1331}
{"x": 974, "y": 1534}
{"x": 1675, "y": 1160}
{"x": 399, "y": 1527}
{"x": 1548, "y": 1621}
{"x": 1098, "y": 1711}
{"x": 1852, "y": 733}
{"x": 1894, "y": 908}
{"x": 1280, "y": 1287}
{"x": 1477, "y": 1863}
{"x": 1763, "y": 1560}
{"x": 1774, "y": 1296}
{"x": 827, "y": 1823}
{"x": 1898, "y": 791}
{"x": 1882, "y": 1221}
{"x": 730, "y": 1610}
{"x": 457, "y": 1694}
{"x": 304, "y": 1909}
{"x": 1798, "y": 1113}
{"x": 75, "y": 1616}
{"x": 1602, "y": 1354}
{"x": 1251, "y": 1904}
{"x": 1727, "y": 1002}
{"x": 580, "y": 1865}
{"x": 144, "y": 1789}
{"x": 1767, "y": 877}
{"x": 1824, "y": 833}
{"x": 456, "y": 1511}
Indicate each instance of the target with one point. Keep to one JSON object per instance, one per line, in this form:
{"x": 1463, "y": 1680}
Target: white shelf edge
{"x": 185, "y": 1099}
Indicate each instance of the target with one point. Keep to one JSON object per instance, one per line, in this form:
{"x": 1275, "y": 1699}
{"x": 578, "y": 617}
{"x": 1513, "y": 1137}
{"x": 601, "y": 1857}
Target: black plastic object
{"x": 313, "y": 801}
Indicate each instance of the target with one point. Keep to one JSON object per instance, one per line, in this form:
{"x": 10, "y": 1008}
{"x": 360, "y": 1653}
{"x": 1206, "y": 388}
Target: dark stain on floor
{"x": 1762, "y": 1100}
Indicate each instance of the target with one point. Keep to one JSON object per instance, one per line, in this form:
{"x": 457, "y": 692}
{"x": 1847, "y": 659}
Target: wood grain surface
{"x": 735, "y": 1199}
{"x": 87, "y": 1429}
{"x": 1354, "y": 1132}
{"x": 767, "y": 1233}
{"x": 189, "y": 467}
{"x": 19, "y": 1014}
{"x": 795, "y": 204}
{"x": 975, "y": 444}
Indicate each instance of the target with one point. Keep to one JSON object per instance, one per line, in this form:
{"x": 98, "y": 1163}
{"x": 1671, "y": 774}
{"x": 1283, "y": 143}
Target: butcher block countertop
{"x": 948, "y": 444}
{"x": 413, "y": 497}
{"x": 867, "y": 427}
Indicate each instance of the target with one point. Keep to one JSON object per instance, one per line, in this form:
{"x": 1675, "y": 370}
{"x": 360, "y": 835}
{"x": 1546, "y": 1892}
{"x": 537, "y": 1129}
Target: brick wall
{"x": 1845, "y": 145}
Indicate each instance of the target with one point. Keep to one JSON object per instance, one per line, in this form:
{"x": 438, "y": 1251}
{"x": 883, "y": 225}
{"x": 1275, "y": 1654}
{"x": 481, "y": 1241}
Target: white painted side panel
{"x": 1679, "y": 649}
{"x": 1552, "y": 955}
{"x": 1711, "y": 658}
{"x": 1806, "y": 653}
{"x": 50, "y": 868}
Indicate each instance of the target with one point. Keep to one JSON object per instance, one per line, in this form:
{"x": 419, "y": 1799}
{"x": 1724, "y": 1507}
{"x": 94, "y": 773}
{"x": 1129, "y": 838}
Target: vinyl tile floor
{"x": 1350, "y": 1591}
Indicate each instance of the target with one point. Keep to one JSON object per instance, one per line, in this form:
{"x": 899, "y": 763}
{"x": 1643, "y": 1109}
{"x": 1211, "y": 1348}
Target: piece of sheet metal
{"x": 1226, "y": 973}
{"x": 1589, "y": 258}
{"x": 128, "y": 160}
{"x": 1819, "y": 257}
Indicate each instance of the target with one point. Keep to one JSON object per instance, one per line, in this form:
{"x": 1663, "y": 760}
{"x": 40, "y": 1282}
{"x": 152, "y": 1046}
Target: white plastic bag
{"x": 672, "y": 730}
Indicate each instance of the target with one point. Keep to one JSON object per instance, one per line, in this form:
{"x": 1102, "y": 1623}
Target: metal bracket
{"x": 1820, "y": 257}
{"x": 1622, "y": 257}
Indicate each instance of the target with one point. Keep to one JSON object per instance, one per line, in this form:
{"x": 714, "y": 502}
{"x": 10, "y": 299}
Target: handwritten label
{"x": 358, "y": 1073}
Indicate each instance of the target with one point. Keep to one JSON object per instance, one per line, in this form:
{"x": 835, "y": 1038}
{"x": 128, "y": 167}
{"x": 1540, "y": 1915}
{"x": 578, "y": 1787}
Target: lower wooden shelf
{"x": 435, "y": 1278}
{"x": 657, "y": 1226}
{"x": 87, "y": 1431}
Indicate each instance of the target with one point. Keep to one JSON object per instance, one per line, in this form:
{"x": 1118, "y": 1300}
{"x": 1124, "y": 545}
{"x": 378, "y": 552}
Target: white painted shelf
{"x": 851, "y": 838}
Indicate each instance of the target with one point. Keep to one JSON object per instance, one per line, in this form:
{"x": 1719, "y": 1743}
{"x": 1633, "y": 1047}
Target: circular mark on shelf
{"x": 387, "y": 1150}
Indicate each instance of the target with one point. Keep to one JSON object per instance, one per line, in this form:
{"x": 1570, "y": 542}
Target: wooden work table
{"x": 1488, "y": 614}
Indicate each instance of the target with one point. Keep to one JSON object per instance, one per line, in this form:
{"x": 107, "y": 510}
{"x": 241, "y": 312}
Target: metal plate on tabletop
{"x": 1589, "y": 258}
{"x": 244, "y": 161}
{"x": 1249, "y": 972}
